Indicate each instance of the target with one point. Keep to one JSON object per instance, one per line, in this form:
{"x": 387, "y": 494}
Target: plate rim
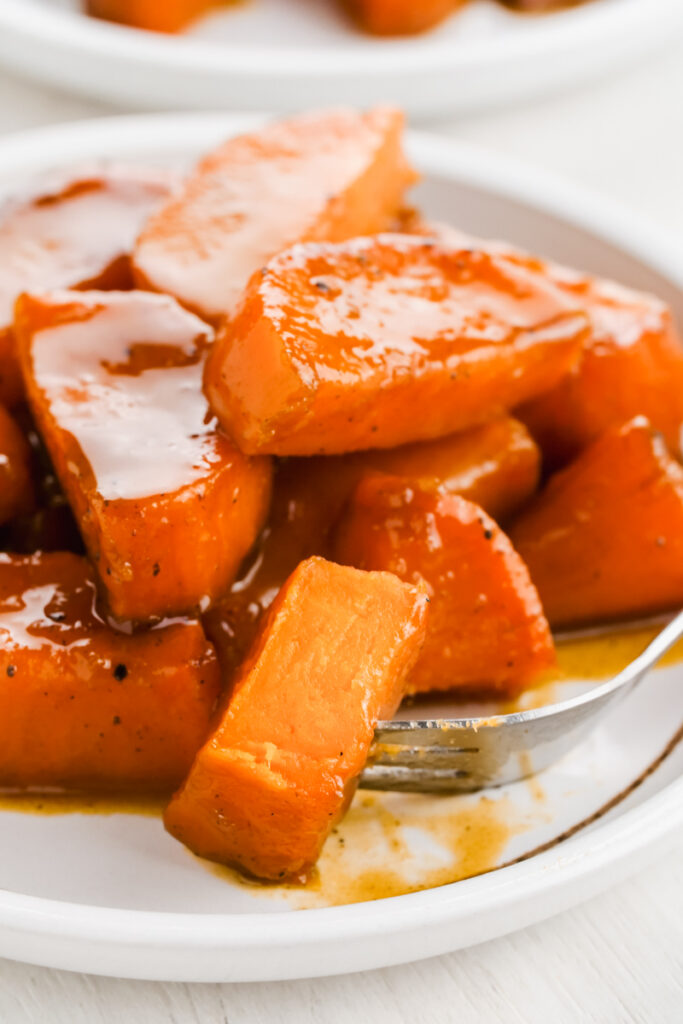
{"x": 577, "y": 29}
{"x": 579, "y": 859}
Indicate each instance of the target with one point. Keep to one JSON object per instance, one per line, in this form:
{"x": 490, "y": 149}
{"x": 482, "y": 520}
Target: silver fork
{"x": 452, "y": 755}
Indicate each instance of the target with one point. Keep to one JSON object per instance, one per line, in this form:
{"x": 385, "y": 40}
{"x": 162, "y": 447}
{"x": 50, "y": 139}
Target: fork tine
{"x": 403, "y": 779}
{"x": 448, "y": 733}
{"x": 457, "y": 755}
{"x": 438, "y": 755}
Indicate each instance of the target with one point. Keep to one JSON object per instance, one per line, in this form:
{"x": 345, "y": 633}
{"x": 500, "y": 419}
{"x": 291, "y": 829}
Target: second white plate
{"x": 284, "y": 55}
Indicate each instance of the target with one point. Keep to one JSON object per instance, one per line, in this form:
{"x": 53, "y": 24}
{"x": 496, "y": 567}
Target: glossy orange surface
{"x": 496, "y": 465}
{"x": 282, "y": 765}
{"x": 631, "y": 361}
{"x": 400, "y": 17}
{"x": 16, "y": 485}
{"x": 604, "y": 539}
{"x": 382, "y": 341}
{"x": 167, "y": 506}
{"x": 76, "y": 233}
{"x": 48, "y": 523}
{"x": 333, "y": 174}
{"x": 486, "y": 630}
{"x": 155, "y": 15}
{"x": 85, "y": 706}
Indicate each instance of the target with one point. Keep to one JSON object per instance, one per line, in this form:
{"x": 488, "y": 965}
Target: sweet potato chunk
{"x": 604, "y": 540}
{"x": 381, "y": 341}
{"x": 400, "y": 17}
{"x": 76, "y": 233}
{"x": 486, "y": 630}
{"x": 167, "y": 506}
{"x": 327, "y": 175}
{"x": 155, "y": 15}
{"x": 47, "y": 522}
{"x": 280, "y": 770}
{"x": 495, "y": 465}
{"x": 84, "y": 706}
{"x": 16, "y": 486}
{"x": 631, "y": 363}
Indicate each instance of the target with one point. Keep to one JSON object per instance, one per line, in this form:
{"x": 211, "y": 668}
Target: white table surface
{"x": 616, "y": 959}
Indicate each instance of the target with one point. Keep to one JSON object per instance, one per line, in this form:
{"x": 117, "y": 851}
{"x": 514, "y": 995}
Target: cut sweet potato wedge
{"x": 280, "y": 770}
{"x": 84, "y": 706}
{"x": 76, "y": 233}
{"x": 486, "y": 631}
{"x": 16, "y": 485}
{"x": 381, "y": 341}
{"x": 496, "y": 465}
{"x": 604, "y": 540}
{"x": 631, "y": 361}
{"x": 156, "y": 16}
{"x": 167, "y": 506}
{"x": 327, "y": 175}
{"x": 400, "y": 17}
{"x": 631, "y": 364}
{"x": 46, "y": 523}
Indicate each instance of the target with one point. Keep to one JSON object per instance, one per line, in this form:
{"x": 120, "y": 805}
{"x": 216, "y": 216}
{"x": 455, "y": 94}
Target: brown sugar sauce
{"x": 373, "y": 853}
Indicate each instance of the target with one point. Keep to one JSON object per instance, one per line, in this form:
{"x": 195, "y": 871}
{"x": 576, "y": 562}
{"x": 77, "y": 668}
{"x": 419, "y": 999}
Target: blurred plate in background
{"x": 289, "y": 54}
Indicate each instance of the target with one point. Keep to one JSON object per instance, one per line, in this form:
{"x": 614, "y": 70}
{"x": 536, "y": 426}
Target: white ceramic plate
{"x": 113, "y": 894}
{"x": 287, "y": 54}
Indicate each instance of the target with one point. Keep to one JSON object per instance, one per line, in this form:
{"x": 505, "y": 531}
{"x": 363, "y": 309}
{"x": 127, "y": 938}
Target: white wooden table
{"x": 616, "y": 959}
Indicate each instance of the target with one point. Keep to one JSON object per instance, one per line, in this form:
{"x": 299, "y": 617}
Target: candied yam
{"x": 325, "y": 175}
{"x": 281, "y": 767}
{"x": 47, "y": 523}
{"x": 631, "y": 364}
{"x": 156, "y": 16}
{"x": 378, "y": 342}
{"x": 87, "y": 707}
{"x": 604, "y": 539}
{"x": 16, "y": 485}
{"x": 486, "y": 630}
{"x": 76, "y": 233}
{"x": 167, "y": 506}
{"x": 11, "y": 386}
{"x": 400, "y": 17}
{"x": 496, "y": 465}
{"x": 631, "y": 361}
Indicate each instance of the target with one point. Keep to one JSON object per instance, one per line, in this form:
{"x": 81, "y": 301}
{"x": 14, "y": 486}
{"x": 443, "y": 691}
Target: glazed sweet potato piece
{"x": 16, "y": 485}
{"x": 400, "y": 17}
{"x": 631, "y": 361}
{"x": 495, "y": 465}
{"x": 155, "y": 15}
{"x": 486, "y": 631}
{"x": 539, "y": 6}
{"x": 382, "y": 341}
{"x": 283, "y": 763}
{"x": 167, "y": 506}
{"x": 47, "y": 522}
{"x": 631, "y": 364}
{"x": 84, "y": 706}
{"x": 77, "y": 232}
{"x": 604, "y": 540}
{"x": 327, "y": 175}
